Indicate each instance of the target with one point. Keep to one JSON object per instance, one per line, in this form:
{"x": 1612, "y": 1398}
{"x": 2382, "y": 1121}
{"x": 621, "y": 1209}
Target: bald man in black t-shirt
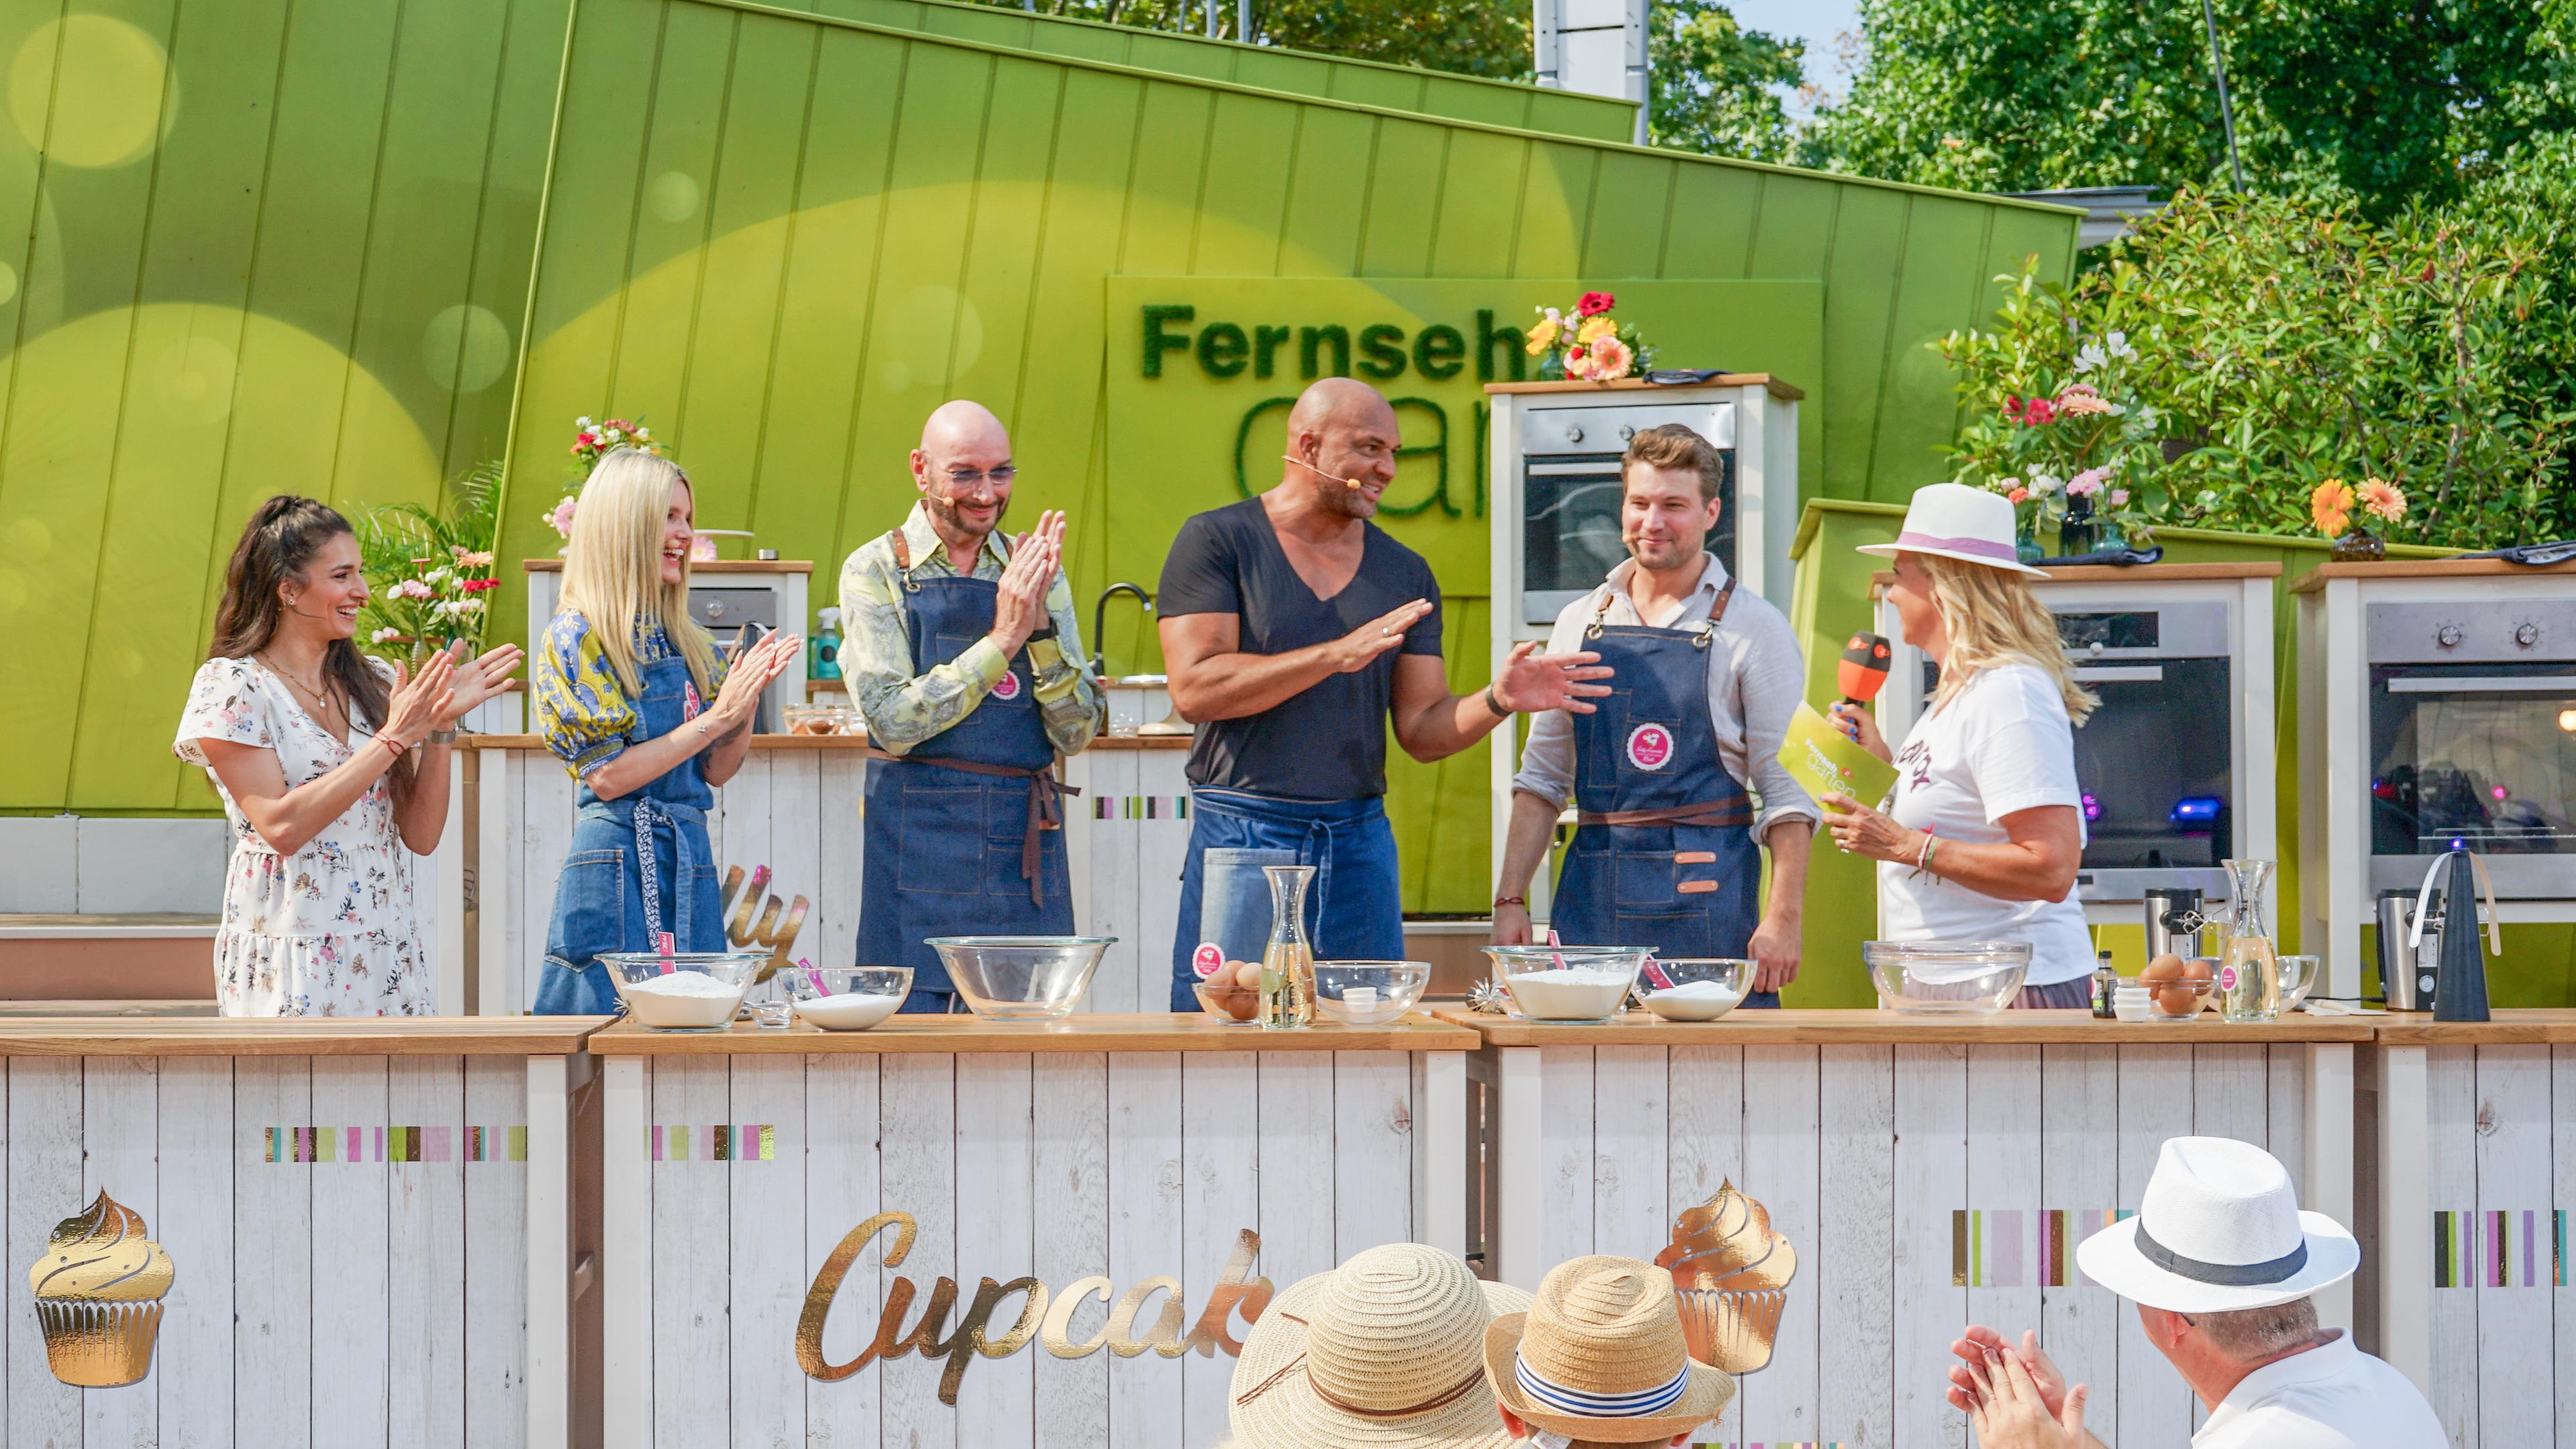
{"x": 1294, "y": 632}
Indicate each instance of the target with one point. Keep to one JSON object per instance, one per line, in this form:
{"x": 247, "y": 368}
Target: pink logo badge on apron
{"x": 1650, "y": 746}
{"x": 1008, "y": 686}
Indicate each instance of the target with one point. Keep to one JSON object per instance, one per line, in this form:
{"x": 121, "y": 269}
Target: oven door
{"x": 1570, "y": 529}
{"x": 2479, "y": 756}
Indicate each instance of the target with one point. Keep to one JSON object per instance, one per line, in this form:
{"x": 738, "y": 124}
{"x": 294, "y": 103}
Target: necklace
{"x": 321, "y": 699}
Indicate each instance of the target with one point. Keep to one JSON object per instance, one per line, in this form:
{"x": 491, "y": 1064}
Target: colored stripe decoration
{"x": 1767, "y": 1444}
{"x": 393, "y": 1144}
{"x": 2500, "y": 1249}
{"x": 1140, "y": 807}
{"x": 724, "y": 1142}
{"x": 2022, "y": 1248}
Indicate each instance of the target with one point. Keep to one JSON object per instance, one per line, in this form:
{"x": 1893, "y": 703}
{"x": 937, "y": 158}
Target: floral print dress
{"x": 329, "y": 930}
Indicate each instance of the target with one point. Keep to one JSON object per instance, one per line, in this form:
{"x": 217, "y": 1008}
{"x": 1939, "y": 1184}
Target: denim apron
{"x": 953, "y": 851}
{"x": 1663, "y": 851}
{"x": 639, "y": 865}
{"x": 1354, "y": 909}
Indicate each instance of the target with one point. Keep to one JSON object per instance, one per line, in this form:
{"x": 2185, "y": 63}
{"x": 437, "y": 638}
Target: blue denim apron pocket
{"x": 590, "y": 906}
{"x": 937, "y": 852}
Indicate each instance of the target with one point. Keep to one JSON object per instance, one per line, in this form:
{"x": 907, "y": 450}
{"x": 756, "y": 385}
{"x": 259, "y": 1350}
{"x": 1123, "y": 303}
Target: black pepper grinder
{"x": 2460, "y": 980}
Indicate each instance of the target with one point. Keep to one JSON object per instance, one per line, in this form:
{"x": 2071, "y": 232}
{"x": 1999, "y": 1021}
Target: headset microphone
{"x": 1863, "y": 670}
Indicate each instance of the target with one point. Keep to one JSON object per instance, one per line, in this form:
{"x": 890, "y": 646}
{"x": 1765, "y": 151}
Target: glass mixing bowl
{"x": 1397, "y": 986}
{"x": 1731, "y": 977}
{"x": 1020, "y": 978}
{"x": 687, "y": 991}
{"x": 1956, "y": 978}
{"x": 847, "y": 998}
{"x": 1568, "y": 983}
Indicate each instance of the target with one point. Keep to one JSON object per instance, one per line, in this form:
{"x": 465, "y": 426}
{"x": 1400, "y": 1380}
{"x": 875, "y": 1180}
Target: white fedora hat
{"x": 2219, "y": 1229}
{"x": 1953, "y": 520}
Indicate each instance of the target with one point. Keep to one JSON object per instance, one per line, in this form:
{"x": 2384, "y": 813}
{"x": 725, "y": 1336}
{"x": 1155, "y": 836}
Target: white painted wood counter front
{"x": 1929, "y": 1172}
{"x": 1128, "y": 1147}
{"x": 371, "y": 1224}
{"x": 797, "y": 807}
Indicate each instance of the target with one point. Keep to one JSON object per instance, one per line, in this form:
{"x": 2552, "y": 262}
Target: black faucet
{"x": 1100, "y": 616}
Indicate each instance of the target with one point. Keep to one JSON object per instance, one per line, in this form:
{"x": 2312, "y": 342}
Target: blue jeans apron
{"x": 964, "y": 835}
{"x": 1354, "y": 909}
{"x": 639, "y": 865}
{"x": 1663, "y": 852}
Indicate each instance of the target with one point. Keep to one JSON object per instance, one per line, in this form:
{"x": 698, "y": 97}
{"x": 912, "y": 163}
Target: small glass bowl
{"x": 1233, "y": 1005}
{"x": 847, "y": 998}
{"x": 1394, "y": 986}
{"x": 1733, "y": 973}
{"x": 634, "y": 973}
{"x": 1947, "y": 978}
{"x": 2182, "y": 998}
{"x": 2299, "y": 976}
{"x": 1568, "y": 983}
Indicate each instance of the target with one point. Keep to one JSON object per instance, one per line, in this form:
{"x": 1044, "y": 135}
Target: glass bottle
{"x": 2249, "y": 977}
{"x": 1288, "y": 962}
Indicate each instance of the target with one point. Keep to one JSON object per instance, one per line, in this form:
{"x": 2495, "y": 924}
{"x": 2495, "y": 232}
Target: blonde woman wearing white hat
{"x": 2223, "y": 1267}
{"x": 1385, "y": 1351}
{"x": 1982, "y": 835}
{"x": 1600, "y": 1359}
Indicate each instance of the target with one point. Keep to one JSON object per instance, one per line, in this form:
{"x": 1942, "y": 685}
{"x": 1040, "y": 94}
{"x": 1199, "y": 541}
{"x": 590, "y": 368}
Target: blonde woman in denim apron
{"x": 632, "y": 697}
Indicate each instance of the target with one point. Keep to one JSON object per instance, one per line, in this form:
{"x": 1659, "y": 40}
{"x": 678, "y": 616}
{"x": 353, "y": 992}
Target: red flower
{"x": 1594, "y": 304}
{"x": 2039, "y": 413}
{"x": 476, "y": 586}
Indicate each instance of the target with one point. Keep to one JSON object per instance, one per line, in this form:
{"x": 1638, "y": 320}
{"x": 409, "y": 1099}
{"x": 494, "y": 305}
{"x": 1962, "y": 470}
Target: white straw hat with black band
{"x": 1383, "y": 1352}
{"x": 2219, "y": 1229}
{"x": 1600, "y": 1355}
{"x": 1953, "y": 520}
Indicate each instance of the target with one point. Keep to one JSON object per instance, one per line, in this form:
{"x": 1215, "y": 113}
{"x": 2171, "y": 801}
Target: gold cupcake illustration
{"x": 1732, "y": 1274}
{"x": 98, "y": 1296}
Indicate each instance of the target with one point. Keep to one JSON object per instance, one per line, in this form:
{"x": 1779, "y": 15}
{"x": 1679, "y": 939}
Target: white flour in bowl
{"x": 853, "y": 1012}
{"x": 1566, "y": 993}
{"x": 682, "y": 1000}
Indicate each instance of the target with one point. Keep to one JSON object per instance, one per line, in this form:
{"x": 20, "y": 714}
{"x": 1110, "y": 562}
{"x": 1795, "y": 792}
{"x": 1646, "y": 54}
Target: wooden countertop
{"x": 701, "y": 566}
{"x": 1148, "y": 1032}
{"x": 2161, "y": 573}
{"x": 2553, "y": 1026}
{"x": 2423, "y": 568}
{"x": 297, "y": 1036}
{"x": 828, "y": 742}
{"x": 1744, "y": 1027}
{"x": 1786, "y": 392}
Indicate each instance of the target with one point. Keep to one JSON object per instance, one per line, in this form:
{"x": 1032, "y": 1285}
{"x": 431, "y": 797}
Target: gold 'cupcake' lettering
{"x": 1165, "y": 1339}
{"x": 1232, "y": 1288}
{"x": 1058, "y": 1335}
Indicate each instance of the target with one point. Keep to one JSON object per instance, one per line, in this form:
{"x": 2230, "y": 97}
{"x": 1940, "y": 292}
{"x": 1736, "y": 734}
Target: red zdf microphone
{"x": 1863, "y": 669}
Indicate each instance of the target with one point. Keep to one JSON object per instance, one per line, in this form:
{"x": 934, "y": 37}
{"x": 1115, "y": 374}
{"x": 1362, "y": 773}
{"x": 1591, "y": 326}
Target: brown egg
{"x": 2164, "y": 968}
{"x": 1247, "y": 974}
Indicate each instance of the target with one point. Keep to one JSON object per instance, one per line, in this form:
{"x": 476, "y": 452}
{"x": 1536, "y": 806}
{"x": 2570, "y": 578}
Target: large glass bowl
{"x": 1947, "y": 978}
{"x": 689, "y": 991}
{"x": 1396, "y": 985}
{"x": 847, "y": 998}
{"x": 1701, "y": 988}
{"x": 1020, "y": 978}
{"x": 1568, "y": 983}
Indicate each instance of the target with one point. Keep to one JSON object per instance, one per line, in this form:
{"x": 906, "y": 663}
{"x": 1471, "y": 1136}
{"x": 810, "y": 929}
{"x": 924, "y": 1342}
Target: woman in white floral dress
{"x": 315, "y": 750}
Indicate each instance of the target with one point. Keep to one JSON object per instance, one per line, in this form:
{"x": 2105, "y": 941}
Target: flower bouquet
{"x": 429, "y": 573}
{"x": 2330, "y": 508}
{"x": 1588, "y": 346}
{"x": 591, "y": 442}
{"x": 2062, "y": 444}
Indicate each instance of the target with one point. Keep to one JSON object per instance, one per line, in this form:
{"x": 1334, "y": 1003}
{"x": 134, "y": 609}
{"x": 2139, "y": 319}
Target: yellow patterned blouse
{"x": 581, "y": 709}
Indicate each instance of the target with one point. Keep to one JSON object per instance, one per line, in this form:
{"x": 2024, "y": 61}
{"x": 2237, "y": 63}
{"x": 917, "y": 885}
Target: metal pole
{"x": 2226, "y": 113}
{"x": 1243, "y": 21}
{"x": 1211, "y": 19}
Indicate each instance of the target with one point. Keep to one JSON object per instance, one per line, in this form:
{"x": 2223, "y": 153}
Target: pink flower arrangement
{"x": 1587, "y": 345}
{"x": 559, "y": 517}
{"x": 2087, "y": 483}
{"x": 1607, "y": 360}
{"x": 2382, "y": 500}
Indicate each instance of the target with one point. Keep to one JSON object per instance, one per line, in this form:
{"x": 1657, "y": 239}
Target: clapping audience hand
{"x": 2007, "y": 1410}
{"x": 1979, "y": 1341}
{"x": 478, "y": 679}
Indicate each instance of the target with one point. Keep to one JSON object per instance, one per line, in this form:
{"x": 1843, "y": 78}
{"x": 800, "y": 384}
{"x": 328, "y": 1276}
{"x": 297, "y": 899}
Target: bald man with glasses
{"x": 961, "y": 653}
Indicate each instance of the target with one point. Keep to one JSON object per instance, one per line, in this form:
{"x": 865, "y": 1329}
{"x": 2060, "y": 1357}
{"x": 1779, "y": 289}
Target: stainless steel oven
{"x": 1570, "y": 491}
{"x": 2473, "y": 741}
{"x": 2156, "y": 762}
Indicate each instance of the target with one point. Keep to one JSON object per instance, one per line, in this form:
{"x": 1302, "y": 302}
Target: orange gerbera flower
{"x": 2330, "y": 507}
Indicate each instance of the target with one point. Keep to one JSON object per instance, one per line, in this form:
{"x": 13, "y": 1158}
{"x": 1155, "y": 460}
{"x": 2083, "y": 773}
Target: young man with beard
{"x": 962, "y": 654}
{"x": 1666, "y": 849}
{"x": 1295, "y": 632}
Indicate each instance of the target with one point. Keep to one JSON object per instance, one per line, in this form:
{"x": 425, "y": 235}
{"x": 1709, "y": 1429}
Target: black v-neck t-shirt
{"x": 1328, "y": 743}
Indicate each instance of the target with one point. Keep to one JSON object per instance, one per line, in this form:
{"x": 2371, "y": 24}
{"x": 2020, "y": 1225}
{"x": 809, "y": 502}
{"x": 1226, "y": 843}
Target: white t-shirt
{"x": 2333, "y": 1396}
{"x": 2002, "y": 744}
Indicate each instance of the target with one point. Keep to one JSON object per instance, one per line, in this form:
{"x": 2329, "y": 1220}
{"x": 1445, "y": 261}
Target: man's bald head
{"x": 963, "y": 468}
{"x": 1342, "y": 429}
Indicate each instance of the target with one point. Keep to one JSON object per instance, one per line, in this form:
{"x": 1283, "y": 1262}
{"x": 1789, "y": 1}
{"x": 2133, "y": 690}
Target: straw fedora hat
{"x": 2218, "y": 1229}
{"x": 1956, "y": 521}
{"x": 1384, "y": 1351}
{"x": 1600, "y": 1355}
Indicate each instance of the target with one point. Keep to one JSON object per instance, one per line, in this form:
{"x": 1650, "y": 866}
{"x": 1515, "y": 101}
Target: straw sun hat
{"x": 1600, "y": 1356}
{"x": 1953, "y": 520}
{"x": 1384, "y": 1351}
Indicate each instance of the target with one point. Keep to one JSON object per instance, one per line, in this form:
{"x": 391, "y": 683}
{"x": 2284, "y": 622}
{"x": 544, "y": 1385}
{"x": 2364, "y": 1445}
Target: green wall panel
{"x": 897, "y": 217}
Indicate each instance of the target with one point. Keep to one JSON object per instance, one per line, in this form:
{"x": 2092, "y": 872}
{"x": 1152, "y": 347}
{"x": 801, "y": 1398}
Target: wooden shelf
{"x": 2554, "y": 1026}
{"x": 1146, "y": 1032}
{"x": 2116, "y": 574}
{"x": 2424, "y": 568}
{"x": 1786, "y": 392}
{"x": 702, "y": 566}
{"x": 297, "y": 1036}
{"x": 1745, "y": 1027}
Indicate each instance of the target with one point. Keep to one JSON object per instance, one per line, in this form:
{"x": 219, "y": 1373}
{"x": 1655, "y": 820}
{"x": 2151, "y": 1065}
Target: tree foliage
{"x": 1716, "y": 86}
{"x": 2385, "y": 101}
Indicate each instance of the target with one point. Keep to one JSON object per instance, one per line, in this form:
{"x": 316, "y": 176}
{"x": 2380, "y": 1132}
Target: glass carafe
{"x": 1288, "y": 962}
{"x": 2249, "y": 976}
